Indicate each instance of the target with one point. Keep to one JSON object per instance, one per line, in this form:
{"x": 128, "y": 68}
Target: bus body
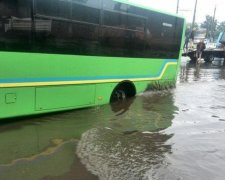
{"x": 65, "y": 54}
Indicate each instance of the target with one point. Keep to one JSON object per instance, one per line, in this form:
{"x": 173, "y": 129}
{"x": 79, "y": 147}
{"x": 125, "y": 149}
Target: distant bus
{"x": 65, "y": 54}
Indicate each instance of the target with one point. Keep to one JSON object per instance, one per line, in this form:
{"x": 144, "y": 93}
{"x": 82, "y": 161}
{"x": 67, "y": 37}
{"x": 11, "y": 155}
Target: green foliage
{"x": 210, "y": 25}
{"x": 221, "y": 27}
{"x": 189, "y": 28}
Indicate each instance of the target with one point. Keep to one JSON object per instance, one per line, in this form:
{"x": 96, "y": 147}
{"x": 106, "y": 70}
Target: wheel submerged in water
{"x": 118, "y": 95}
{"x": 122, "y": 92}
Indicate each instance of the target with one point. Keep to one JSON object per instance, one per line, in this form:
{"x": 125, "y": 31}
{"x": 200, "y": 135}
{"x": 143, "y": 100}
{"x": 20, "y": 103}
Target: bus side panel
{"x": 141, "y": 86}
{"x": 170, "y": 73}
{"x": 60, "y": 97}
{"x": 16, "y": 101}
{"x": 103, "y": 93}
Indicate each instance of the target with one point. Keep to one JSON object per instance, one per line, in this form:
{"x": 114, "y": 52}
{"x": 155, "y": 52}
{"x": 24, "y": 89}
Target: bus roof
{"x": 138, "y": 4}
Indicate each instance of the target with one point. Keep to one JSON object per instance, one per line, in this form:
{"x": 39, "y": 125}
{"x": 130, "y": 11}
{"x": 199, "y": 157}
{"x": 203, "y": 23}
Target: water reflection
{"x": 191, "y": 71}
{"x": 113, "y": 153}
{"x": 197, "y": 144}
{"x": 108, "y": 143}
{"x": 121, "y": 106}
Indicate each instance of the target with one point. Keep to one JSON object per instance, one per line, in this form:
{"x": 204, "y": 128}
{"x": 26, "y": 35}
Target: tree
{"x": 188, "y": 28}
{"x": 221, "y": 27}
{"x": 210, "y": 25}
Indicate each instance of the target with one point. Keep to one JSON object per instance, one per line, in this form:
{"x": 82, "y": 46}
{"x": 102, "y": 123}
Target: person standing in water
{"x": 200, "y": 48}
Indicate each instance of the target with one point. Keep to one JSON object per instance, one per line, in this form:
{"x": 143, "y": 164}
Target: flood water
{"x": 173, "y": 134}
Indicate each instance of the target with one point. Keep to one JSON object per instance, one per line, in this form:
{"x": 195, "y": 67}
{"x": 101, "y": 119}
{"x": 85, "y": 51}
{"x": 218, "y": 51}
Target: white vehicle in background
{"x": 214, "y": 51}
{"x": 199, "y": 36}
{"x": 210, "y": 45}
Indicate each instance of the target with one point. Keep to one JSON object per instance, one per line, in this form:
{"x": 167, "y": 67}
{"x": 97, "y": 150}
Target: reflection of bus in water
{"x": 53, "y": 139}
{"x": 57, "y": 54}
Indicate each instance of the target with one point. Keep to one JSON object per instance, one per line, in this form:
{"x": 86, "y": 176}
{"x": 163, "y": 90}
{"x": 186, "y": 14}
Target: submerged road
{"x": 174, "y": 134}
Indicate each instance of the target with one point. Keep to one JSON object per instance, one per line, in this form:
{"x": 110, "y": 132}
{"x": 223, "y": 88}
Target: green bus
{"x": 58, "y": 55}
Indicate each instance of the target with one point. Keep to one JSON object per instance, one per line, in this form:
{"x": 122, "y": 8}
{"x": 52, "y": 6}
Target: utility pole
{"x": 178, "y": 2}
{"x": 193, "y": 22}
{"x": 213, "y": 24}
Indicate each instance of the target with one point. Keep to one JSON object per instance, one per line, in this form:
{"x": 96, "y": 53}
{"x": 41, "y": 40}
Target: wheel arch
{"x": 126, "y": 85}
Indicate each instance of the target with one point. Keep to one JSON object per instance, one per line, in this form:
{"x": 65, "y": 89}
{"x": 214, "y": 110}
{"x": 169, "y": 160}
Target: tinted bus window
{"x": 162, "y": 39}
{"x": 75, "y": 33}
{"x": 136, "y": 24}
{"x": 122, "y": 30}
{"x": 94, "y": 27}
{"x": 15, "y": 25}
{"x": 86, "y": 11}
{"x": 90, "y": 3}
{"x": 114, "y": 14}
{"x": 111, "y": 5}
{"x": 113, "y": 29}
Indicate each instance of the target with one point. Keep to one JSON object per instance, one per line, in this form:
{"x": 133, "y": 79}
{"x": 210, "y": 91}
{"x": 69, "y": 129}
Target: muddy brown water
{"x": 173, "y": 134}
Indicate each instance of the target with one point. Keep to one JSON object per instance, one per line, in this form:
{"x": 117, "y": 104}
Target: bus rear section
{"x": 60, "y": 55}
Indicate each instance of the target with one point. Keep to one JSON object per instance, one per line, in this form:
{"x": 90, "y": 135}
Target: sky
{"x": 186, "y": 8}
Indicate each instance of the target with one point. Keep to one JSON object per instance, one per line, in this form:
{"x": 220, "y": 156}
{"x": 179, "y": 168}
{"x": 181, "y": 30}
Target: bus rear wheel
{"x": 118, "y": 95}
{"x": 123, "y": 91}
